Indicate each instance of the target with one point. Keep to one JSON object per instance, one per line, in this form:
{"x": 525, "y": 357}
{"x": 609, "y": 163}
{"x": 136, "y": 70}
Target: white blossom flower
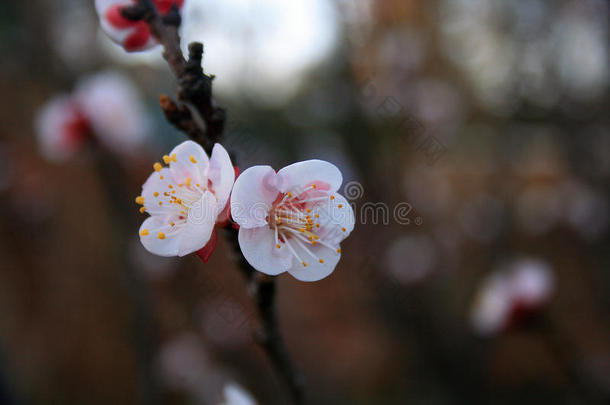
{"x": 131, "y": 35}
{"x": 114, "y": 109}
{"x": 292, "y": 220}
{"x": 506, "y": 294}
{"x": 186, "y": 200}
{"x": 236, "y": 395}
{"x": 61, "y": 128}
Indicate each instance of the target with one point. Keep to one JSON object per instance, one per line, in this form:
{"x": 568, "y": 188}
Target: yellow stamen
{"x": 160, "y": 203}
{"x": 157, "y": 166}
{"x": 321, "y": 260}
{"x": 144, "y": 232}
{"x": 340, "y": 205}
{"x": 332, "y": 197}
{"x": 277, "y": 246}
{"x": 173, "y": 157}
{"x": 140, "y": 200}
{"x": 317, "y": 225}
{"x": 304, "y": 264}
{"x": 142, "y": 210}
{"x": 338, "y": 250}
{"x": 192, "y": 159}
{"x": 188, "y": 181}
{"x": 343, "y": 229}
{"x": 156, "y": 194}
{"x": 172, "y": 224}
{"x": 167, "y": 159}
{"x": 161, "y": 177}
{"x": 308, "y": 210}
{"x": 161, "y": 235}
{"x": 313, "y": 186}
{"x": 170, "y": 186}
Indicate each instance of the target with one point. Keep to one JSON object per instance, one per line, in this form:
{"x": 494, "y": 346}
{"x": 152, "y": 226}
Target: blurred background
{"x": 474, "y": 137}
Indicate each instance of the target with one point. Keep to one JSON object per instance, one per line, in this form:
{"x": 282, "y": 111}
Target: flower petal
{"x": 158, "y": 183}
{"x": 253, "y": 193}
{"x": 309, "y": 171}
{"x": 191, "y": 161}
{"x": 258, "y": 247}
{"x": 336, "y": 218}
{"x": 168, "y": 246}
{"x": 51, "y": 122}
{"x": 118, "y": 29}
{"x": 314, "y": 270}
{"x": 199, "y": 225}
{"x": 221, "y": 174}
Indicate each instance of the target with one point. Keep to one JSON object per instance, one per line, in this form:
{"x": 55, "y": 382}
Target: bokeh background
{"x": 485, "y": 121}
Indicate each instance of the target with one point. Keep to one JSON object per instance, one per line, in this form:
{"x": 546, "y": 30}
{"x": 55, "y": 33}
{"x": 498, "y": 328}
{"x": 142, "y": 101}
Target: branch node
{"x": 137, "y": 12}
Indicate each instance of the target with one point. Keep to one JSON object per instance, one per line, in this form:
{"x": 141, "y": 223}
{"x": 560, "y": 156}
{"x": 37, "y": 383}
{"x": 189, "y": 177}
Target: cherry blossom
{"x": 131, "y": 35}
{"x": 292, "y": 220}
{"x": 186, "y": 200}
{"x": 115, "y": 111}
{"x": 508, "y": 295}
{"x": 105, "y": 105}
{"x": 61, "y": 128}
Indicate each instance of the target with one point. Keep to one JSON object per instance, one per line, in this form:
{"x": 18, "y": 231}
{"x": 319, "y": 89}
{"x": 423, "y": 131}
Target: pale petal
{"x": 253, "y": 194}
{"x": 117, "y": 35}
{"x": 314, "y": 270}
{"x": 166, "y": 247}
{"x": 50, "y": 122}
{"x": 158, "y": 182}
{"x": 221, "y": 174}
{"x": 336, "y": 223}
{"x": 191, "y": 161}
{"x": 115, "y": 109}
{"x": 308, "y": 172}
{"x": 199, "y": 224}
{"x": 258, "y": 247}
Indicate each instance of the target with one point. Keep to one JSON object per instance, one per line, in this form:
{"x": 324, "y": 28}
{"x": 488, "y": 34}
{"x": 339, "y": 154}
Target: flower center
{"x": 298, "y": 219}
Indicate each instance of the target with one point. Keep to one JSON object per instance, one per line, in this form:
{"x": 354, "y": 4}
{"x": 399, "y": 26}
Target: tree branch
{"x": 203, "y": 121}
{"x": 207, "y": 119}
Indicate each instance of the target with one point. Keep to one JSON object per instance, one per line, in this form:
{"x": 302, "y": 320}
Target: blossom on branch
{"x": 292, "y": 220}
{"x": 132, "y": 35}
{"x": 186, "y": 200}
{"x": 105, "y": 106}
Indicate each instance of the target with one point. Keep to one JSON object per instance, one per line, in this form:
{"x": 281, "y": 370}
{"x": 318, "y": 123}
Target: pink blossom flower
{"x": 508, "y": 295}
{"x": 292, "y": 220}
{"x": 106, "y": 106}
{"x": 131, "y": 35}
{"x": 114, "y": 109}
{"x": 186, "y": 200}
{"x": 61, "y": 128}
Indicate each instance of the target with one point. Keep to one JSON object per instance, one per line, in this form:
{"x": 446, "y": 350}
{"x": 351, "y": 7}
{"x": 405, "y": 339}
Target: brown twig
{"x": 203, "y": 121}
{"x": 207, "y": 120}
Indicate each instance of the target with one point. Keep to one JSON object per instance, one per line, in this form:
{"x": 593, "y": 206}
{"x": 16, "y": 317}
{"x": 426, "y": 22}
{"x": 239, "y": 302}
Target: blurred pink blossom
{"x": 131, "y": 35}
{"x": 509, "y": 294}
